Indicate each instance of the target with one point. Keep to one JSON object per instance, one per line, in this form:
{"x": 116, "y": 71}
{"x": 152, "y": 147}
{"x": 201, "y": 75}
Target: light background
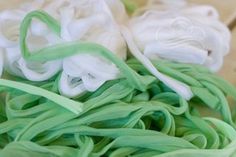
{"x": 226, "y": 8}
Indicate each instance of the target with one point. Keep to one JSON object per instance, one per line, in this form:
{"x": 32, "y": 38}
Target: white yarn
{"x": 179, "y": 87}
{"x": 94, "y": 22}
{"x": 189, "y": 34}
{"x": 163, "y": 29}
{"x": 9, "y": 41}
{"x": 84, "y": 20}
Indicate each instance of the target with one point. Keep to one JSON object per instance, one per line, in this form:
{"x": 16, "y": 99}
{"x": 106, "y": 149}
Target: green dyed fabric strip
{"x": 135, "y": 115}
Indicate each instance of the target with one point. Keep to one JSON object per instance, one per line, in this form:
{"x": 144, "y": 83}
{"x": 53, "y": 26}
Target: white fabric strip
{"x": 179, "y": 87}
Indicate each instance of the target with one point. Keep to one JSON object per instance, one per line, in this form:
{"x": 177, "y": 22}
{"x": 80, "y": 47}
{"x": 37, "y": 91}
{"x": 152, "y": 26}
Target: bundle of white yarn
{"x": 166, "y": 29}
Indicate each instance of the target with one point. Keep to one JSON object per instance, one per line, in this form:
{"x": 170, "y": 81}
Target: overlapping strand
{"x": 119, "y": 119}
